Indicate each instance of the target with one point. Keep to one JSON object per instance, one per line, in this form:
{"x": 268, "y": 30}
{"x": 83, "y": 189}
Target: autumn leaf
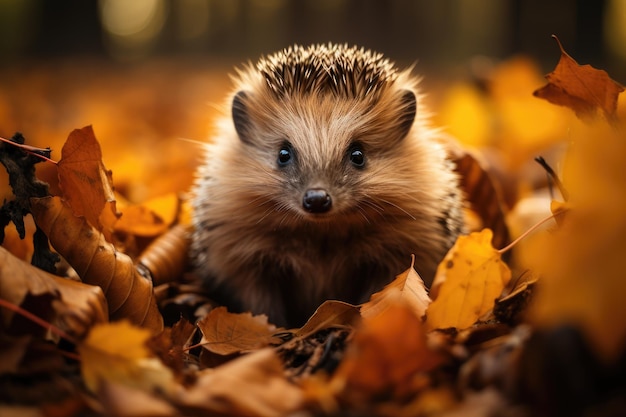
{"x": 482, "y": 194}
{"x": 249, "y": 386}
{"x": 85, "y": 182}
{"x": 582, "y": 88}
{"x": 386, "y": 354}
{"x": 469, "y": 279}
{"x": 151, "y": 218}
{"x": 226, "y": 333}
{"x": 582, "y": 261}
{"x": 331, "y": 313}
{"x": 167, "y": 256}
{"x": 76, "y": 306}
{"x": 129, "y": 294}
{"x": 117, "y": 352}
{"x": 408, "y": 286}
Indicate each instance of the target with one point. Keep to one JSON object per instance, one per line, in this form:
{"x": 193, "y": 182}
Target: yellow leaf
{"x": 582, "y": 262}
{"x": 408, "y": 286}
{"x": 117, "y": 352}
{"x": 473, "y": 276}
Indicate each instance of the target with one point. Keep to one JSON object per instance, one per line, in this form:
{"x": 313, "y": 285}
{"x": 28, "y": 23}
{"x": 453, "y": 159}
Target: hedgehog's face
{"x": 324, "y": 152}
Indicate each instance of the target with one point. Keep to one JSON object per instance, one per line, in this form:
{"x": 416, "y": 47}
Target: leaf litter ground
{"x": 481, "y": 343}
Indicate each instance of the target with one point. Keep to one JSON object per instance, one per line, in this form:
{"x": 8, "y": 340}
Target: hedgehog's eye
{"x": 357, "y": 157}
{"x": 285, "y": 155}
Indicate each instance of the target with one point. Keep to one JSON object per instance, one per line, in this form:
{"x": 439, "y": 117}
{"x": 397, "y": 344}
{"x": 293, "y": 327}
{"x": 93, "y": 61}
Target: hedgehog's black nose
{"x": 316, "y": 200}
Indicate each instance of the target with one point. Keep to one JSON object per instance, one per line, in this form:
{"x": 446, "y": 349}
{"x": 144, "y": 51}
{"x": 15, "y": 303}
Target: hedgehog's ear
{"x": 240, "y": 116}
{"x": 408, "y": 109}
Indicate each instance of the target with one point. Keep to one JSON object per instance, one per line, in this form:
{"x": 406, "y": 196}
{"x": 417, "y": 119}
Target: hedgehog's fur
{"x": 255, "y": 243}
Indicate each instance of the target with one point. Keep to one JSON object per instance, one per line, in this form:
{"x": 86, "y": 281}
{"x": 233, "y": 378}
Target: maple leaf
{"x": 582, "y": 88}
{"x": 408, "y": 286}
{"x": 84, "y": 180}
{"x": 117, "y": 352}
{"x": 468, "y": 280}
{"x": 226, "y": 333}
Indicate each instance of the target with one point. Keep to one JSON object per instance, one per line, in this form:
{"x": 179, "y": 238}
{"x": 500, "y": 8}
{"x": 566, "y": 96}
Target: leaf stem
{"x": 529, "y": 231}
{"x": 38, "y": 320}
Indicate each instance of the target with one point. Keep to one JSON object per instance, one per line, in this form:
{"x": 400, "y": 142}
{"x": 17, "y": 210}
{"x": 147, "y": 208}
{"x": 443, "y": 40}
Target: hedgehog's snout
{"x": 316, "y": 200}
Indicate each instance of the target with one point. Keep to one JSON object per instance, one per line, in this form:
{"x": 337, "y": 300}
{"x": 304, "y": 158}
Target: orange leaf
{"x": 408, "y": 286}
{"x": 83, "y": 178}
{"x": 331, "y": 313}
{"x": 150, "y": 218}
{"x": 386, "y": 354}
{"x": 582, "y": 88}
{"x": 470, "y": 277}
{"x": 128, "y": 293}
{"x": 226, "y": 333}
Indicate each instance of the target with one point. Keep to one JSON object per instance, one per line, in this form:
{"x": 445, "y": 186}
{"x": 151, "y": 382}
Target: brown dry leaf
{"x": 483, "y": 196}
{"x": 85, "y": 182}
{"x": 253, "y": 385}
{"x": 385, "y": 357}
{"x": 76, "y": 306}
{"x": 582, "y": 88}
{"x": 150, "y": 218}
{"x": 226, "y": 333}
{"x": 124, "y": 401}
{"x": 468, "y": 280}
{"x": 117, "y": 352}
{"x": 167, "y": 256}
{"x": 128, "y": 293}
{"x": 408, "y": 286}
{"x": 331, "y": 313}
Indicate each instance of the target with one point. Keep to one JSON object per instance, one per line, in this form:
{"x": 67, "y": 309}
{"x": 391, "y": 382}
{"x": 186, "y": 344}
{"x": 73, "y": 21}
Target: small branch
{"x": 43, "y": 153}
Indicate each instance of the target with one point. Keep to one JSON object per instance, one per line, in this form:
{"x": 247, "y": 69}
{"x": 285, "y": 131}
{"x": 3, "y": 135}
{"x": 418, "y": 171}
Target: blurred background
{"x": 145, "y": 73}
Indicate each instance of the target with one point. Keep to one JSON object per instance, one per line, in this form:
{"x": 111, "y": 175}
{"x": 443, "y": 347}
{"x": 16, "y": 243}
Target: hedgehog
{"x": 323, "y": 178}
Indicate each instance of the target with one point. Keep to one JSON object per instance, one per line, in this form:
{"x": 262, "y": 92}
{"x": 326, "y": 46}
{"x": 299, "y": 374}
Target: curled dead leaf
{"x": 128, "y": 293}
{"x": 483, "y": 195}
{"x": 166, "y": 257}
